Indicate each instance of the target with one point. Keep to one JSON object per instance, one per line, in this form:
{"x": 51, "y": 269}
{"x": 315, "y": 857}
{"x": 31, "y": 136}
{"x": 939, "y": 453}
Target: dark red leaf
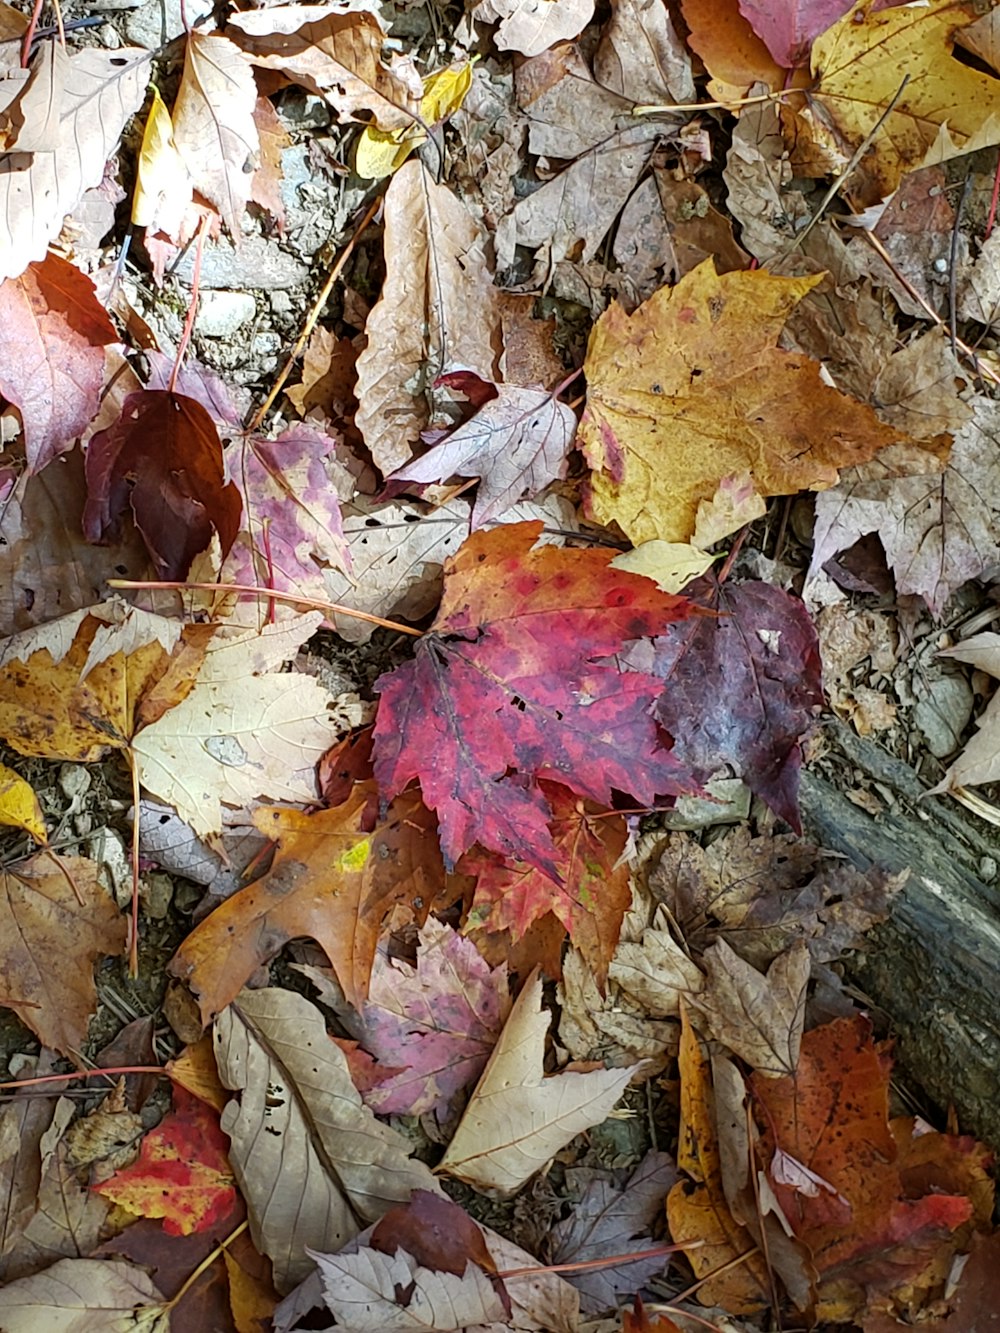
{"x": 742, "y": 687}
{"x": 164, "y": 458}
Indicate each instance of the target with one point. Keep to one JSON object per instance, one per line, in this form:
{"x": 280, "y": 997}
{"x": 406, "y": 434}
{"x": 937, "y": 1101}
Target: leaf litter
{"x": 479, "y": 952}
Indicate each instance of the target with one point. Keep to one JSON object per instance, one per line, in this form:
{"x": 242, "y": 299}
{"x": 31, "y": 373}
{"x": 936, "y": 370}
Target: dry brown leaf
{"x": 656, "y": 972}
{"x": 312, "y": 1162}
{"x": 517, "y": 1119}
{"x": 214, "y": 128}
{"x": 612, "y": 1026}
{"x": 979, "y": 761}
{"x": 36, "y": 115}
{"x": 335, "y": 54}
{"x": 82, "y": 1295}
{"x": 103, "y": 89}
{"x": 42, "y": 918}
{"x": 421, "y": 325}
{"x": 758, "y": 1017}
{"x": 532, "y": 26}
{"x": 640, "y": 57}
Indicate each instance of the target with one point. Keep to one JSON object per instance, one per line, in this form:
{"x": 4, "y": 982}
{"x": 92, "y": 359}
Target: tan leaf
{"x": 421, "y": 325}
{"x": 640, "y": 56}
{"x": 979, "y": 761}
{"x": 103, "y": 89}
{"x": 36, "y": 117}
{"x": 246, "y": 730}
{"x": 532, "y": 26}
{"x": 82, "y": 1295}
{"x": 657, "y": 972}
{"x": 312, "y": 1162}
{"x": 214, "y": 128}
{"x": 362, "y": 1290}
{"x": 335, "y": 54}
{"x": 758, "y": 1017}
{"x": 517, "y": 1119}
{"x": 42, "y": 918}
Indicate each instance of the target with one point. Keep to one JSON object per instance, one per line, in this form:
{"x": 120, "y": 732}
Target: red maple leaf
{"x": 508, "y": 687}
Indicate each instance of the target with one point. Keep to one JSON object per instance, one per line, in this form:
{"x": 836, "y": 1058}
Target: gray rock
{"x": 259, "y": 262}
{"x": 221, "y": 313}
{"x": 156, "y": 22}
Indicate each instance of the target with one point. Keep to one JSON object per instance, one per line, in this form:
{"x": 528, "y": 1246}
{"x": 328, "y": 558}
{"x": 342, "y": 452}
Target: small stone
{"x": 157, "y": 892}
{"x": 258, "y": 263}
{"x": 74, "y": 781}
{"x": 221, "y": 313}
{"x": 987, "y": 868}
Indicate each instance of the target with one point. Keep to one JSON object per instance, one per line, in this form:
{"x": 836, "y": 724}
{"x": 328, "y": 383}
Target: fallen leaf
{"x": 436, "y": 1232}
{"x": 163, "y": 459}
{"x": 592, "y": 891}
{"x": 938, "y": 529}
{"x": 734, "y": 55}
{"x": 742, "y": 687}
{"x": 697, "y": 1209}
{"x": 381, "y": 152}
{"x": 34, "y": 115}
{"x": 758, "y": 1017}
{"x": 312, "y": 1162}
{"x": 182, "y": 1173}
{"x": 789, "y": 28}
{"x": 517, "y": 1119}
{"x": 710, "y": 395}
{"x": 671, "y": 565}
{"x": 103, "y": 89}
{"x": 373, "y": 1291}
{"x": 655, "y": 971}
{"x": 979, "y": 761}
{"x": 337, "y": 55}
{"x": 245, "y": 731}
{"x": 419, "y": 328}
{"x": 507, "y": 679}
{"x": 43, "y": 918}
{"x": 516, "y": 444}
{"x": 532, "y": 26}
{"x": 437, "y": 1022}
{"x": 214, "y": 129}
{"x": 612, "y": 1218}
{"x": 163, "y": 182}
{"x": 946, "y": 109}
{"x": 640, "y": 56}
{"x": 53, "y": 331}
{"x": 19, "y": 807}
{"x": 78, "y": 1295}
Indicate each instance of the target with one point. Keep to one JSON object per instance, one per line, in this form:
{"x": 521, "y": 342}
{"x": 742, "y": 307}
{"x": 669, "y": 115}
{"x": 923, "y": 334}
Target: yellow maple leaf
{"x": 691, "y": 389}
{"x": 381, "y": 152}
{"x": 19, "y": 806}
{"x": 945, "y": 109}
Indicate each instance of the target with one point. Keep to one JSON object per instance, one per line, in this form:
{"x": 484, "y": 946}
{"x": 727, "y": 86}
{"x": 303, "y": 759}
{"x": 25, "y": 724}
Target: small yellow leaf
{"x": 671, "y": 565}
{"x": 381, "y": 152}
{"x": 19, "y": 805}
{"x": 161, "y": 170}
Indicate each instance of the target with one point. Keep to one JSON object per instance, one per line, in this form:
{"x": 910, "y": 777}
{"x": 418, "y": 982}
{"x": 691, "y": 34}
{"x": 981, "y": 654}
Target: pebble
{"x": 221, "y": 313}
{"x": 157, "y": 22}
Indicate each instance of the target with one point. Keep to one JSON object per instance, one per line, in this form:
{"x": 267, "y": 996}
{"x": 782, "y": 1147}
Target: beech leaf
{"x": 312, "y": 1162}
{"x": 517, "y": 1119}
{"x": 508, "y": 678}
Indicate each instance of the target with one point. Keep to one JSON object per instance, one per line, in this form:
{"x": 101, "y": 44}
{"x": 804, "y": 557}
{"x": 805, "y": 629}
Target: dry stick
{"x": 189, "y": 322}
{"x": 313, "y": 316}
{"x": 953, "y": 266}
{"x": 650, "y": 110}
{"x": 982, "y": 369}
{"x": 316, "y": 603}
{"x": 834, "y": 189}
{"x": 606, "y": 1261}
{"x": 207, "y": 1262}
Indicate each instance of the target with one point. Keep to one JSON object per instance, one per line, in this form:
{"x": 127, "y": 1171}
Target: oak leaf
{"x": 946, "y": 109}
{"x": 508, "y": 678}
{"x": 420, "y": 326}
{"x": 516, "y": 443}
{"x": 182, "y": 1173}
{"x": 691, "y": 388}
{"x": 312, "y": 1162}
{"x": 53, "y": 331}
{"x": 517, "y": 1119}
{"x": 42, "y": 917}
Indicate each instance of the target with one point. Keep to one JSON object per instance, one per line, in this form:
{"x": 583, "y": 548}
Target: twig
{"x": 653, "y": 110}
{"x": 189, "y": 322}
{"x": 316, "y": 603}
{"x": 313, "y": 316}
{"x": 953, "y": 264}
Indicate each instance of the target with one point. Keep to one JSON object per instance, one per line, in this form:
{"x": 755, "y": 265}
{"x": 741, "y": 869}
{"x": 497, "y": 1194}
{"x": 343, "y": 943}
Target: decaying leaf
{"x": 312, "y": 1162}
{"x": 420, "y": 327}
{"x": 79, "y": 1295}
{"x": 708, "y": 395}
{"x": 43, "y": 918}
{"x": 517, "y": 1119}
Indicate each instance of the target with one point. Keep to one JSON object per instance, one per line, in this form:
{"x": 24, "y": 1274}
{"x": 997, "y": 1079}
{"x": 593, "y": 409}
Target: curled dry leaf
{"x": 420, "y": 326}
{"x": 517, "y": 1119}
{"x": 103, "y": 89}
{"x": 312, "y": 1162}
